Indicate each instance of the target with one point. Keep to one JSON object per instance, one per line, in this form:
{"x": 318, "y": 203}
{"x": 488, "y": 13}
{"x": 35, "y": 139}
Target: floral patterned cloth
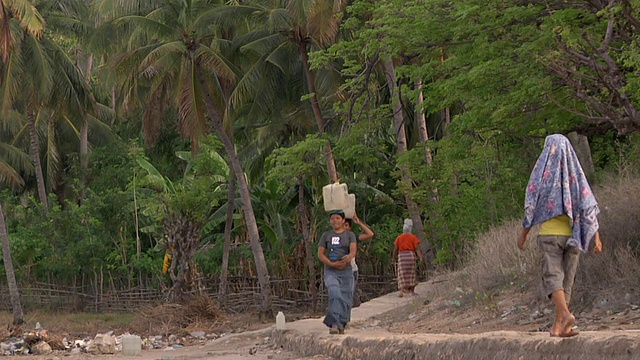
{"x": 558, "y": 186}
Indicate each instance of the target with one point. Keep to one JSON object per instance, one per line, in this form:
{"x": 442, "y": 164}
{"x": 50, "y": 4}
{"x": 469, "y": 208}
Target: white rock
{"x": 41, "y": 348}
{"x": 103, "y": 344}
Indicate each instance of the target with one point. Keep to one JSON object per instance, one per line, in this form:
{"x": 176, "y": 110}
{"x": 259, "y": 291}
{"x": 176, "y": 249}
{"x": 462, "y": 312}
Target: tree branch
{"x": 588, "y": 118}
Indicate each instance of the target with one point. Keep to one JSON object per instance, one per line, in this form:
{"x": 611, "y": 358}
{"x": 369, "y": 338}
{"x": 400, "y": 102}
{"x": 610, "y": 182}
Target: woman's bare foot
{"x": 401, "y": 294}
{"x": 564, "y": 327}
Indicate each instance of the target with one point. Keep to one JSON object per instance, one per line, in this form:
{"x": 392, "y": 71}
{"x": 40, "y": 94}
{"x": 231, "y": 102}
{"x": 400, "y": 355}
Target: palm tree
{"x": 315, "y": 22}
{"x": 11, "y": 178}
{"x": 224, "y": 271}
{"x": 289, "y": 30}
{"x": 57, "y": 94}
{"x": 24, "y": 13}
{"x": 31, "y": 27}
{"x": 175, "y": 57}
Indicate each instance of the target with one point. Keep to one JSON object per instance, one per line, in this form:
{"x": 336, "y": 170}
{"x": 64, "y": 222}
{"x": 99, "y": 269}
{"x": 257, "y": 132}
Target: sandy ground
{"x": 256, "y": 345}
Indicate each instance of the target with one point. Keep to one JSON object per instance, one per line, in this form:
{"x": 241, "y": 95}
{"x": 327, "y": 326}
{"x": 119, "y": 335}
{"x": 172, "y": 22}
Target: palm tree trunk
{"x": 114, "y": 105}
{"x": 14, "y": 294}
{"x": 224, "y": 272}
{"x": 422, "y": 125}
{"x": 317, "y": 112}
{"x": 35, "y": 156}
{"x": 401, "y": 144}
{"x": 446, "y": 116}
{"x": 84, "y": 140}
{"x": 304, "y": 221}
{"x": 266, "y": 306}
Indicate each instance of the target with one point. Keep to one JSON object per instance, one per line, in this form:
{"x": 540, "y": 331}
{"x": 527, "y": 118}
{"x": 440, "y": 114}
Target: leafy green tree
{"x": 596, "y": 59}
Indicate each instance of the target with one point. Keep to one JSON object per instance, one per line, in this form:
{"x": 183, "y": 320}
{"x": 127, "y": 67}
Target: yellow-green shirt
{"x": 559, "y": 225}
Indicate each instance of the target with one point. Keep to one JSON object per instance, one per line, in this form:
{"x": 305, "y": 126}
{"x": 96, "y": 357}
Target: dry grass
{"x": 616, "y": 272}
{"x": 202, "y": 313}
{"x": 75, "y": 325}
{"x": 613, "y": 275}
{"x": 496, "y": 261}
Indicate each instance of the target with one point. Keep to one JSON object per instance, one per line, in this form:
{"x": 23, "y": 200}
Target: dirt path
{"x": 256, "y": 345}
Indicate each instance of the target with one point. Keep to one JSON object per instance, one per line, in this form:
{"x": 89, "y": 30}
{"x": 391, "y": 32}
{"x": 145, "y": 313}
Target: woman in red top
{"x": 406, "y": 249}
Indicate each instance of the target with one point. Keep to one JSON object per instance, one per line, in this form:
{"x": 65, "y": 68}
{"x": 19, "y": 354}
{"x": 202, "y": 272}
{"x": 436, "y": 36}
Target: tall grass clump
{"x": 612, "y": 276}
{"x": 496, "y": 261}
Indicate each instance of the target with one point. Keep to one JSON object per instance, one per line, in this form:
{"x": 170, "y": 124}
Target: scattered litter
{"x": 38, "y": 342}
{"x": 537, "y": 315}
{"x": 198, "y": 334}
{"x": 509, "y": 312}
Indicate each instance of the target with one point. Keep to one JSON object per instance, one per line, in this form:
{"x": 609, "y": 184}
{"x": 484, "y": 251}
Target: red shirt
{"x": 407, "y": 242}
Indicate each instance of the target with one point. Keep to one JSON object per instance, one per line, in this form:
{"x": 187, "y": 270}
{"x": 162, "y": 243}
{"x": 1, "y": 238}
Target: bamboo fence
{"x": 243, "y": 294}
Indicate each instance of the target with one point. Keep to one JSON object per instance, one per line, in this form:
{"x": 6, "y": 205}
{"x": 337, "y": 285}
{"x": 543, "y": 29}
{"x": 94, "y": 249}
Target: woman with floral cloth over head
{"x": 559, "y": 198}
{"x": 336, "y": 250}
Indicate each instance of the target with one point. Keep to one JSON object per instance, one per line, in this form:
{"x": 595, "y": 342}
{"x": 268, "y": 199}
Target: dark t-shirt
{"x": 337, "y": 245}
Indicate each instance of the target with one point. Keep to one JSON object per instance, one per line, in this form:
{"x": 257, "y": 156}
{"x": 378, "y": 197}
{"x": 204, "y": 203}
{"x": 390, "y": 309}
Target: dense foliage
{"x": 127, "y": 120}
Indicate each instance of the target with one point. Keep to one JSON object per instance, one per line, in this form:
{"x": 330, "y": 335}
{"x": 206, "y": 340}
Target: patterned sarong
{"x": 406, "y": 269}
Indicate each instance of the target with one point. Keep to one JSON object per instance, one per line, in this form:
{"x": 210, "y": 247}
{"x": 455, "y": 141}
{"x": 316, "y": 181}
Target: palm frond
{"x": 278, "y": 19}
{"x": 264, "y": 45}
{"x": 148, "y": 26}
{"x": 16, "y": 158}
{"x": 12, "y": 122}
{"x": 155, "y": 105}
{"x": 70, "y": 85}
{"x": 52, "y": 154}
{"x": 30, "y": 19}
{"x": 103, "y": 39}
{"x": 103, "y": 113}
{"x": 323, "y": 21}
{"x": 299, "y": 10}
{"x": 12, "y": 72}
{"x": 108, "y": 10}
{"x": 245, "y": 89}
{"x": 246, "y": 38}
{"x": 150, "y": 63}
{"x": 215, "y": 63}
{"x": 99, "y": 132}
{"x": 10, "y": 177}
{"x": 191, "y": 109}
{"x": 71, "y": 125}
{"x": 280, "y": 56}
{"x": 38, "y": 67}
{"x": 225, "y": 16}
{"x": 69, "y": 25}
